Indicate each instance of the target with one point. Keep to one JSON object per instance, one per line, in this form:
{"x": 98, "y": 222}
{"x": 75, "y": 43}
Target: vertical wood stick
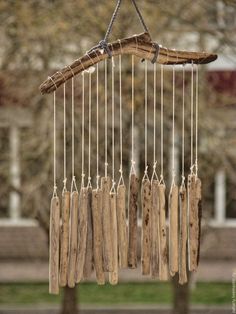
{"x": 155, "y": 230}
{"x": 163, "y": 252}
{"x": 54, "y": 246}
{"x": 183, "y": 236}
{"x": 122, "y": 227}
{"x": 64, "y": 247}
{"x": 173, "y": 230}
{"x": 97, "y": 236}
{"x": 88, "y": 266}
{"x": 73, "y": 238}
{"x": 82, "y": 234}
{"x": 146, "y": 230}
{"x": 193, "y": 223}
{"x": 133, "y": 221}
{"x": 113, "y": 276}
{"x": 106, "y": 225}
{"x": 198, "y": 205}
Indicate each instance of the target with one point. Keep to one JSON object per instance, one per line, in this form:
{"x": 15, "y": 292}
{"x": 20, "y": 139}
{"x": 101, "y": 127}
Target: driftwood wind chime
{"x": 88, "y": 228}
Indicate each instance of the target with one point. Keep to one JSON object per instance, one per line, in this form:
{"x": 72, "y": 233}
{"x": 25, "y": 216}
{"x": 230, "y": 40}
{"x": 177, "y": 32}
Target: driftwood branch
{"x": 139, "y": 45}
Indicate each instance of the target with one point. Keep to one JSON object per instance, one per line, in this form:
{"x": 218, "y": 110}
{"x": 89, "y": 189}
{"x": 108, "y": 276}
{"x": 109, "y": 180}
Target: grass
{"x": 124, "y": 293}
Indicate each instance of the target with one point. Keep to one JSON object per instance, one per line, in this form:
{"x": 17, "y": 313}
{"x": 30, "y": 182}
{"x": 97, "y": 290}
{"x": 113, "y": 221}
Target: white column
{"x": 14, "y": 202}
{"x": 220, "y": 197}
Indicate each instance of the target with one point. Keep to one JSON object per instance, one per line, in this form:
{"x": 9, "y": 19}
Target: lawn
{"x": 124, "y": 293}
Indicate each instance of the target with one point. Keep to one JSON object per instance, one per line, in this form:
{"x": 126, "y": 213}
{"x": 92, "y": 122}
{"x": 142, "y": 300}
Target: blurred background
{"x": 39, "y": 37}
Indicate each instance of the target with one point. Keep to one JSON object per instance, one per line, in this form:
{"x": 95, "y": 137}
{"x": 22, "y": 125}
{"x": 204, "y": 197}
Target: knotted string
{"x": 113, "y": 189}
{"x": 133, "y": 170}
{"x": 64, "y": 140}
{"x": 54, "y": 146}
{"x": 73, "y": 182}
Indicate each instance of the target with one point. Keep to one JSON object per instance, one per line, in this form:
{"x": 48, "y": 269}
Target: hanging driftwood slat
{"x": 122, "y": 227}
{"x": 54, "y": 246}
{"x": 173, "y": 230}
{"x": 133, "y": 221}
{"x": 163, "y": 252}
{"x": 64, "y": 245}
{"x": 146, "y": 226}
{"x": 155, "y": 230}
{"x": 73, "y": 238}
{"x": 106, "y": 224}
{"x": 183, "y": 235}
{"x": 113, "y": 276}
{"x": 98, "y": 236}
{"x": 193, "y": 224}
{"x": 139, "y": 45}
{"x": 199, "y": 213}
{"x": 88, "y": 266}
{"x": 82, "y": 234}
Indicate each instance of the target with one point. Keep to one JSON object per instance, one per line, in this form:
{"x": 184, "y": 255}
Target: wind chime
{"x": 88, "y": 228}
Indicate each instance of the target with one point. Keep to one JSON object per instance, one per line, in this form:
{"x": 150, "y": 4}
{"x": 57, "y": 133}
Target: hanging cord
{"x": 89, "y": 152}
{"x": 154, "y": 175}
{"x": 173, "y": 130}
{"x": 183, "y": 128}
{"x": 191, "y": 113}
{"x": 98, "y": 176}
{"x": 103, "y": 44}
{"x": 133, "y": 170}
{"x": 54, "y": 146}
{"x": 197, "y": 112}
{"x": 106, "y": 136}
{"x": 121, "y": 180}
{"x": 83, "y": 101}
{"x": 162, "y": 125}
{"x": 73, "y": 182}
{"x": 113, "y": 189}
{"x": 145, "y": 124}
{"x": 64, "y": 140}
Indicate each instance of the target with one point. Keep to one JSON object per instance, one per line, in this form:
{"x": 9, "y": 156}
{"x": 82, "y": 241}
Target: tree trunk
{"x": 181, "y": 296}
{"x": 69, "y": 303}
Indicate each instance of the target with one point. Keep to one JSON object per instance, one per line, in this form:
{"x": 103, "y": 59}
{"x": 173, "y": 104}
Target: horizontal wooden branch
{"x": 139, "y": 45}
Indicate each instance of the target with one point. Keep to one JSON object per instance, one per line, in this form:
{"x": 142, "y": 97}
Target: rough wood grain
{"x": 198, "y": 185}
{"x": 73, "y": 238}
{"x": 54, "y": 238}
{"x": 88, "y": 265}
{"x": 82, "y": 234}
{"x": 146, "y": 227}
{"x": 193, "y": 224}
{"x": 113, "y": 276}
{"x": 138, "y": 45}
{"x": 173, "y": 230}
{"x": 122, "y": 227}
{"x": 106, "y": 224}
{"x": 163, "y": 252}
{"x": 64, "y": 245}
{"x": 133, "y": 221}
{"x": 155, "y": 230}
{"x": 98, "y": 236}
{"x": 183, "y": 235}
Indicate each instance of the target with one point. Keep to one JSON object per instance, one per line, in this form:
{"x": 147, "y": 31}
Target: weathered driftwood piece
{"x": 98, "y": 236}
{"x": 73, "y": 238}
{"x": 122, "y": 227}
{"x": 133, "y": 221}
{"x": 163, "y": 252}
{"x": 54, "y": 238}
{"x": 198, "y": 205}
{"x": 88, "y": 265}
{"x": 113, "y": 276}
{"x": 106, "y": 224}
{"x": 173, "y": 230}
{"x": 138, "y": 45}
{"x": 82, "y": 234}
{"x": 193, "y": 224}
{"x": 155, "y": 230}
{"x": 64, "y": 245}
{"x": 183, "y": 235}
{"x": 146, "y": 227}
